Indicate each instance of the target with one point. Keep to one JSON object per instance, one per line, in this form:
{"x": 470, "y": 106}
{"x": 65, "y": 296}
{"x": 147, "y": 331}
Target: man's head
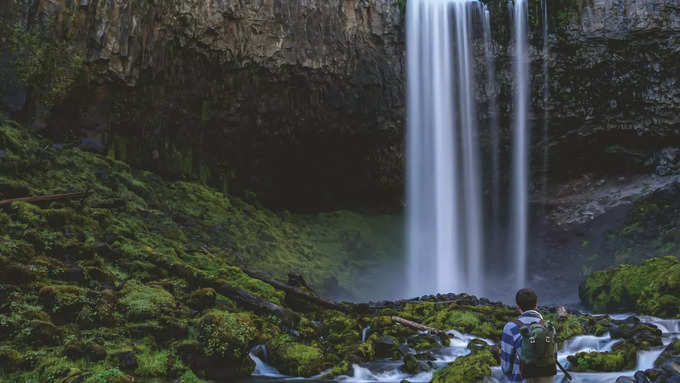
{"x": 526, "y": 299}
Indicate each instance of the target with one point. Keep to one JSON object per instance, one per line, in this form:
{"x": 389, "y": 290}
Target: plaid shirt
{"x": 511, "y": 341}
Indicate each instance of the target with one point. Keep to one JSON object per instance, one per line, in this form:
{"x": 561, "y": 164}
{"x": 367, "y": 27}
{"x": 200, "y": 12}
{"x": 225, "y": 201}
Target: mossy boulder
{"x": 202, "y": 299}
{"x": 224, "y": 340}
{"x": 295, "y": 359}
{"x": 423, "y": 342}
{"x": 140, "y": 301}
{"x": 671, "y": 352}
{"x": 44, "y": 333}
{"x": 622, "y": 357}
{"x": 11, "y": 360}
{"x": 226, "y": 335}
{"x": 644, "y": 336}
{"x": 385, "y": 346}
{"x": 470, "y": 368}
{"x": 652, "y": 287}
{"x": 63, "y": 303}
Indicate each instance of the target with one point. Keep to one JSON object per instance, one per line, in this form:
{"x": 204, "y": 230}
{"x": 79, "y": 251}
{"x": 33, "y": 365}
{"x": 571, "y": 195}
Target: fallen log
{"x": 254, "y": 302}
{"x": 418, "y": 326}
{"x": 297, "y": 292}
{"x": 45, "y": 198}
{"x": 240, "y": 296}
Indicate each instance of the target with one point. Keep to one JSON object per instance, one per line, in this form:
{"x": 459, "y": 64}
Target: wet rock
{"x": 672, "y": 351}
{"x": 413, "y": 366}
{"x": 477, "y": 345}
{"x": 640, "y": 377}
{"x": 426, "y": 356}
{"x": 125, "y": 360}
{"x": 385, "y": 347}
{"x": 625, "y": 379}
{"x": 644, "y": 336}
{"x": 422, "y": 342}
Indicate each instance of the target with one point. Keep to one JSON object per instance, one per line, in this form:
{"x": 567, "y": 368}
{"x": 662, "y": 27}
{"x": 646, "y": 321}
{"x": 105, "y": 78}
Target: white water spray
{"x": 445, "y": 228}
{"x": 520, "y": 178}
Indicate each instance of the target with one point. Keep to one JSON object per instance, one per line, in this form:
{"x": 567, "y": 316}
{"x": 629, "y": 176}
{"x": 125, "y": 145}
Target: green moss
{"x": 649, "y": 288}
{"x": 202, "y": 299}
{"x": 153, "y": 364}
{"x": 226, "y": 335}
{"x": 470, "y": 368}
{"x": 295, "y": 359}
{"x": 142, "y": 301}
{"x": 622, "y": 357}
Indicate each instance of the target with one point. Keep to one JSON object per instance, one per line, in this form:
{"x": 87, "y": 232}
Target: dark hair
{"x": 526, "y": 299}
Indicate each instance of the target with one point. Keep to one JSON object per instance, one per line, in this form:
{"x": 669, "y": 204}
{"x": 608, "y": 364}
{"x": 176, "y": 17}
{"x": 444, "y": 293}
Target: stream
{"x": 387, "y": 370}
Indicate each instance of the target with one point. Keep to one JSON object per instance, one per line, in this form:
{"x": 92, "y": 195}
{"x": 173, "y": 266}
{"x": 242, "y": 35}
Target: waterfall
{"x": 546, "y": 98}
{"x": 520, "y": 172}
{"x": 444, "y": 212}
{"x": 494, "y": 223}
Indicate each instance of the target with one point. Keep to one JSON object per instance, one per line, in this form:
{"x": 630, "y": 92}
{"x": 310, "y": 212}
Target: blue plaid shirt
{"x": 511, "y": 341}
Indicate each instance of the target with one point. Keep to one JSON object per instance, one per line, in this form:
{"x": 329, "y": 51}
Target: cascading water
{"x": 520, "y": 173}
{"x": 445, "y": 228}
{"x": 494, "y": 223}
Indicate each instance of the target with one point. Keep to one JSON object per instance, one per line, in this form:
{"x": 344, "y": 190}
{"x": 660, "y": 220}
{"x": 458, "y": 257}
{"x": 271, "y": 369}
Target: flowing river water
{"x": 387, "y": 370}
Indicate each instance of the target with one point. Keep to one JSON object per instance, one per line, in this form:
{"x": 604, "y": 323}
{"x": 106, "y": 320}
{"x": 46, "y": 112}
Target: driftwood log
{"x": 418, "y": 326}
{"x": 46, "y": 198}
{"x": 297, "y": 292}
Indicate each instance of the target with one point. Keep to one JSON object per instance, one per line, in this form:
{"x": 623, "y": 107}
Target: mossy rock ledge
{"x": 652, "y": 288}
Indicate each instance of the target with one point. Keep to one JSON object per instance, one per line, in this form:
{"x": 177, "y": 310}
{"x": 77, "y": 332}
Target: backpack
{"x": 538, "y": 355}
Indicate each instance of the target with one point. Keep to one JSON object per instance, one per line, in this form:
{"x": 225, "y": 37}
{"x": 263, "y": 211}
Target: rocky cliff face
{"x": 299, "y": 101}
{"x": 302, "y": 101}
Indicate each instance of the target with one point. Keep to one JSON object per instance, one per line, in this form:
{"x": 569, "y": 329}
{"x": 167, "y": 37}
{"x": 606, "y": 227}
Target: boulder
{"x": 642, "y": 335}
{"x": 202, "y": 299}
{"x": 385, "y": 347}
{"x": 44, "y": 333}
{"x": 422, "y": 342}
{"x": 11, "y": 360}
{"x": 467, "y": 369}
{"x": 145, "y": 301}
{"x": 125, "y": 360}
{"x": 221, "y": 352}
{"x": 295, "y": 359}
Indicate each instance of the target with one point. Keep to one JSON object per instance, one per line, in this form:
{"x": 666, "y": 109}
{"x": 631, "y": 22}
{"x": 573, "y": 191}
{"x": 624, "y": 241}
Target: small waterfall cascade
{"x": 520, "y": 145}
{"x": 445, "y": 228}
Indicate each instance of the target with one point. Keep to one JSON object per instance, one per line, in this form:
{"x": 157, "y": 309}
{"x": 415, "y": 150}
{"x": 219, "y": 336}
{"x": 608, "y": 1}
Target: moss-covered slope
{"x": 652, "y": 287}
{"x": 83, "y": 299}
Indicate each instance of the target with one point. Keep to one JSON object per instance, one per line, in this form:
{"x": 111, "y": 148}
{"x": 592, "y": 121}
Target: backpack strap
{"x": 518, "y": 322}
